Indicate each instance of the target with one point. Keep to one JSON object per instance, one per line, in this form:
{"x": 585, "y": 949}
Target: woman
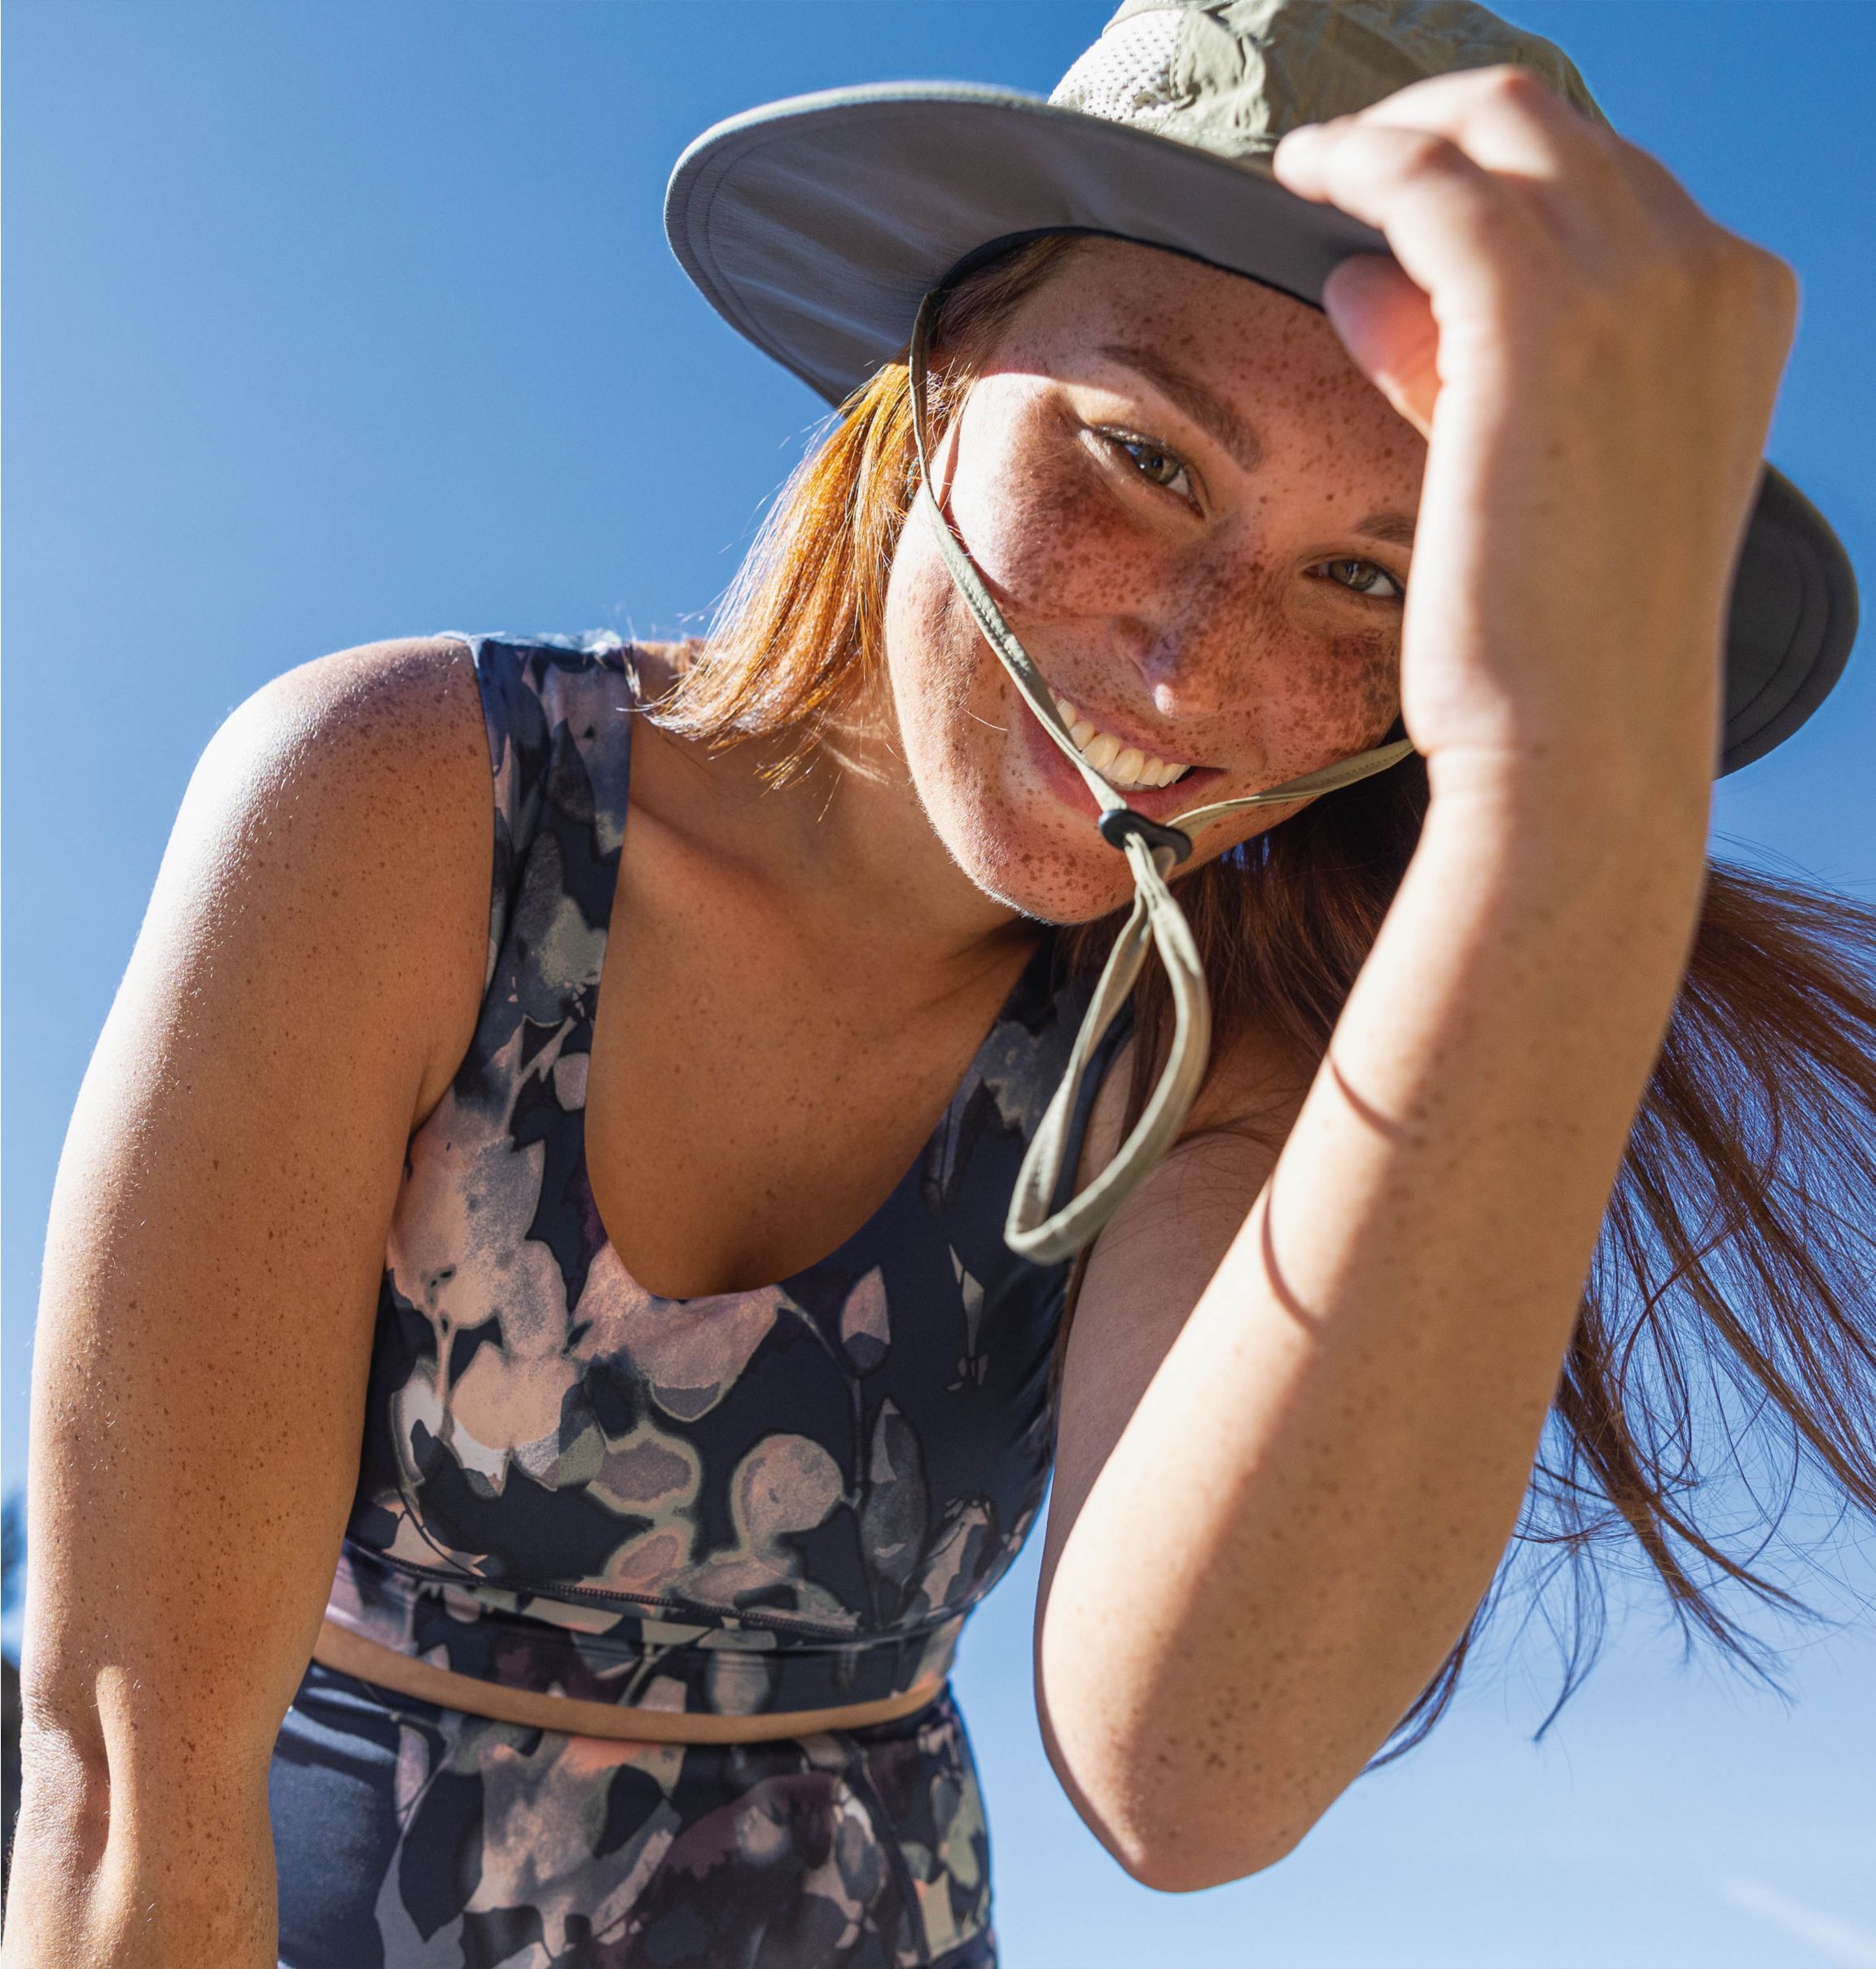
{"x": 375, "y": 1250}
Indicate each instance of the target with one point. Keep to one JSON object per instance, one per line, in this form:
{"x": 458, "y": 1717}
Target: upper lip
{"x": 1121, "y": 728}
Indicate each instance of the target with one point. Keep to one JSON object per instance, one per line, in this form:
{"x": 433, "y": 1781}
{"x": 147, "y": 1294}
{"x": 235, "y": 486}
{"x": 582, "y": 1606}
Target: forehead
{"x": 1266, "y": 351}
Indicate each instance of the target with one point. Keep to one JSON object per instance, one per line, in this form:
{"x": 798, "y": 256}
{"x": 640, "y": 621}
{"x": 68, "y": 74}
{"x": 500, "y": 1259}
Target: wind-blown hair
{"x": 1731, "y": 1304}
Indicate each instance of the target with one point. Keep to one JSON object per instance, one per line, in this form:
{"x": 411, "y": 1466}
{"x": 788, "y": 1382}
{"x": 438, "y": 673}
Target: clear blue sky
{"x": 336, "y": 320}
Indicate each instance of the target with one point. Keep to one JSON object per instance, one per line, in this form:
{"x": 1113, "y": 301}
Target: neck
{"x": 847, "y": 852}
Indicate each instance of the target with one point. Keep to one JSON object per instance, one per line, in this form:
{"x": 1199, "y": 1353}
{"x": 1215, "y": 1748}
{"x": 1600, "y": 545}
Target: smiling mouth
{"x": 1126, "y": 767}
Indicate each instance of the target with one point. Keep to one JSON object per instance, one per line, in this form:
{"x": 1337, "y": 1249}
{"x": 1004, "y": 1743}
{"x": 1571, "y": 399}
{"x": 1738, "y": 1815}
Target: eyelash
{"x": 1349, "y": 560}
{"x": 1131, "y": 442}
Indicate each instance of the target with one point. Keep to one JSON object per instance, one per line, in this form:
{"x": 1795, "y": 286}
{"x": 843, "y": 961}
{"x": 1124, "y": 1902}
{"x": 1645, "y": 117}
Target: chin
{"x": 1025, "y": 852}
{"x": 1065, "y": 896}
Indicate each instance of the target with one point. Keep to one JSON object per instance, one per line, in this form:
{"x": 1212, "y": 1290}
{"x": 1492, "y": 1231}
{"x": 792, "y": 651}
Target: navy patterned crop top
{"x": 775, "y": 1500}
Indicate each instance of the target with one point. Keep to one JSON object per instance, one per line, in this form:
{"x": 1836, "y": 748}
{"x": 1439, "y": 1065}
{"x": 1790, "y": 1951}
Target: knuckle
{"x": 1766, "y": 294}
{"x": 1704, "y": 284}
{"x": 1513, "y": 83}
{"x": 1425, "y": 154}
{"x": 1645, "y": 168}
{"x": 1785, "y": 290}
{"x": 1739, "y": 274}
{"x": 1768, "y": 278}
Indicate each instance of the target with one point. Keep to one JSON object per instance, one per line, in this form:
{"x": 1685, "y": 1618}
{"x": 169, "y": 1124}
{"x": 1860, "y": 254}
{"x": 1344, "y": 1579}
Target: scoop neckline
{"x": 844, "y": 1252}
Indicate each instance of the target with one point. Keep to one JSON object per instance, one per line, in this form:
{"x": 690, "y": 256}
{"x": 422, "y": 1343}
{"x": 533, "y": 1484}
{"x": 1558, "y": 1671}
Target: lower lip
{"x": 1063, "y": 779}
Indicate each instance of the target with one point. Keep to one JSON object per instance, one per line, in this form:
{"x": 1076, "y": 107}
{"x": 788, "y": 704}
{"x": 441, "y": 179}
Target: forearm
{"x": 1345, "y": 1426}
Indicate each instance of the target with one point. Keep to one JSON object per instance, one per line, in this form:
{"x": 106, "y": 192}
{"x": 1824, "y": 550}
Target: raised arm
{"x": 1294, "y": 1443}
{"x": 305, "y": 981}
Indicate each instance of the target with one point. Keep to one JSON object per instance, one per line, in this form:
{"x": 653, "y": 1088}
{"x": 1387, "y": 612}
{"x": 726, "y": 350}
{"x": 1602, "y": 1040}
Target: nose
{"x": 1195, "y": 650}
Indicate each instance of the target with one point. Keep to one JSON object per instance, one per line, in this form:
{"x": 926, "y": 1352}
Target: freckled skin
{"x": 1217, "y": 631}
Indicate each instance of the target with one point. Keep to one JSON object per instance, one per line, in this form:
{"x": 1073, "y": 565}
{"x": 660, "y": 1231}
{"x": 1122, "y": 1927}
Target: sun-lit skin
{"x": 1337, "y": 1354}
{"x": 1208, "y": 605}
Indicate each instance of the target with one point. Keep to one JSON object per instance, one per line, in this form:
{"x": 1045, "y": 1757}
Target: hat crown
{"x": 1231, "y": 77}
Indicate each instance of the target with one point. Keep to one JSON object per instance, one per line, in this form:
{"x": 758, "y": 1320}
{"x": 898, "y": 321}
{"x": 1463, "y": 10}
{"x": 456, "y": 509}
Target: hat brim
{"x": 816, "y": 225}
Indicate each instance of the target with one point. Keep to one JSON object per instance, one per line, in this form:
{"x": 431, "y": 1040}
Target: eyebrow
{"x": 1211, "y": 412}
{"x": 1395, "y": 528}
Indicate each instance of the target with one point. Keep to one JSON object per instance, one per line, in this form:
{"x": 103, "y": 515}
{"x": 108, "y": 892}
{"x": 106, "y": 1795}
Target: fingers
{"x": 1509, "y": 118}
{"x": 1453, "y": 226}
{"x": 1544, "y": 244}
{"x": 1386, "y": 325}
{"x": 1508, "y": 171}
{"x": 1573, "y": 173}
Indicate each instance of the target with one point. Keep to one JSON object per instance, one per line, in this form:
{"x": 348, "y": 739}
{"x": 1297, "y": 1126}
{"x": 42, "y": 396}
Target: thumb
{"x": 1386, "y": 325}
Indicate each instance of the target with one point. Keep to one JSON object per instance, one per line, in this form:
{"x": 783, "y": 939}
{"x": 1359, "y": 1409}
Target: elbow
{"x": 1172, "y": 1864}
{"x": 60, "y": 1840}
{"x": 64, "y": 1800}
{"x": 1183, "y": 1843}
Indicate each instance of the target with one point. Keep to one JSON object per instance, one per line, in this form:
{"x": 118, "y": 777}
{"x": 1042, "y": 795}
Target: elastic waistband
{"x": 700, "y": 1662}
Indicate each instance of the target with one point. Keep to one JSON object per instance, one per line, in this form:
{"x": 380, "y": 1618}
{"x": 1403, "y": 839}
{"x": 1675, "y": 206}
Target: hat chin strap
{"x": 1152, "y": 849}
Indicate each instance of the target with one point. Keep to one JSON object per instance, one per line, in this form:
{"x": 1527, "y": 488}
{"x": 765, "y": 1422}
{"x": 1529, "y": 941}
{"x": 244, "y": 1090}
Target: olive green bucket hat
{"x": 826, "y": 227}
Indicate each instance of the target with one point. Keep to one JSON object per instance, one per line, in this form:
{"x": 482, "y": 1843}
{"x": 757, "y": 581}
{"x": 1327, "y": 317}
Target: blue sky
{"x": 331, "y": 320}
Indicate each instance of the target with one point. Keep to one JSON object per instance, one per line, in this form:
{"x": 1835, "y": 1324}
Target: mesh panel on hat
{"x": 1127, "y": 70}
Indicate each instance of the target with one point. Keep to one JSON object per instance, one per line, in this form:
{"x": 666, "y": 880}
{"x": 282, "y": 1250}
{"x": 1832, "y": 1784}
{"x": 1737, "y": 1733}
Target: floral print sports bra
{"x": 774, "y": 1500}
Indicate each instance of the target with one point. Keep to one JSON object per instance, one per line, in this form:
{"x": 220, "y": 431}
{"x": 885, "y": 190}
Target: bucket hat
{"x": 826, "y": 227}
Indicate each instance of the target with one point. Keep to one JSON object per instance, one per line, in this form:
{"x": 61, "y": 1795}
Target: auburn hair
{"x": 1729, "y": 1307}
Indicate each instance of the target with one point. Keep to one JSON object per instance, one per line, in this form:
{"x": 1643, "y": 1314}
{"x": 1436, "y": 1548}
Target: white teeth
{"x": 1123, "y": 765}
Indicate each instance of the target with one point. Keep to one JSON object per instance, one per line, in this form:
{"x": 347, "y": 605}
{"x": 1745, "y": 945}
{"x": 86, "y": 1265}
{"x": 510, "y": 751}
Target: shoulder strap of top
{"x": 559, "y": 760}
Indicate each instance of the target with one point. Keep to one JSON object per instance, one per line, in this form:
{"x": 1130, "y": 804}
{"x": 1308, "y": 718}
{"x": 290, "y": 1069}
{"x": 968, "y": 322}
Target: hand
{"x": 1594, "y": 361}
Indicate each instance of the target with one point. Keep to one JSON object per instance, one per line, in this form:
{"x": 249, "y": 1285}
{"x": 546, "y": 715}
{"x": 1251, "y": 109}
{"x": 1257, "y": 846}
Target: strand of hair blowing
{"x": 1729, "y": 1315}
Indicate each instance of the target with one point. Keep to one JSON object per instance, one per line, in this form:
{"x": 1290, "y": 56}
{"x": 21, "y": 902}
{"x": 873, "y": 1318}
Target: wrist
{"x": 1587, "y": 807}
{"x": 1572, "y": 848}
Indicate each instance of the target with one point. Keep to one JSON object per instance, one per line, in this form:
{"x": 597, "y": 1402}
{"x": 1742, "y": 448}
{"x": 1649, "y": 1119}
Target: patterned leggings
{"x": 410, "y": 1836}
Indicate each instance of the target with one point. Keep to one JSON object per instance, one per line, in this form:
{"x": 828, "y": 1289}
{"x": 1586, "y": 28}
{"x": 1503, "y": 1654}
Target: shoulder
{"x": 1255, "y": 1084}
{"x": 395, "y": 712}
{"x": 337, "y": 825}
{"x": 661, "y": 665}
{"x": 362, "y": 777}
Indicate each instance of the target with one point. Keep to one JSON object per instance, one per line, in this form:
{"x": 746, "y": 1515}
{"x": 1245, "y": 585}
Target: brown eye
{"x": 1361, "y": 577}
{"x": 1160, "y": 466}
{"x": 1153, "y": 462}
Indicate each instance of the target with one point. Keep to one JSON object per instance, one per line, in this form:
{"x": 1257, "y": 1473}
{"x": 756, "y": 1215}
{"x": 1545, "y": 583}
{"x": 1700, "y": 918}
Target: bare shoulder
{"x": 1252, "y": 1090}
{"x": 401, "y": 708}
{"x": 657, "y": 666}
{"x": 348, "y": 800}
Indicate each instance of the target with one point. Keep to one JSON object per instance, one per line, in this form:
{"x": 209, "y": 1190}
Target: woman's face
{"x": 1194, "y": 511}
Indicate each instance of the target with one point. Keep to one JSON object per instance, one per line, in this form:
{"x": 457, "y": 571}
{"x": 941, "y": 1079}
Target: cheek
{"x": 1040, "y": 522}
{"x": 958, "y": 730}
{"x": 928, "y": 665}
{"x": 1345, "y": 690}
{"x": 1284, "y": 675}
{"x": 1317, "y": 699}
{"x": 943, "y": 679}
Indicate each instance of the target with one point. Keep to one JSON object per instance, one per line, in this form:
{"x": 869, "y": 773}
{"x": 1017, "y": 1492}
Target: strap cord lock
{"x": 1117, "y": 822}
